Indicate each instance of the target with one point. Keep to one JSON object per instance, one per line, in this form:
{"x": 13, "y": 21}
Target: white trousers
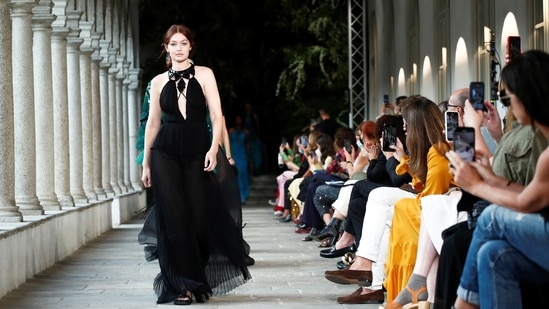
{"x": 378, "y": 219}
{"x": 341, "y": 205}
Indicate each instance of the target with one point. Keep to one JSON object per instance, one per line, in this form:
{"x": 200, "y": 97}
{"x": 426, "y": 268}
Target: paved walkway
{"x": 111, "y": 272}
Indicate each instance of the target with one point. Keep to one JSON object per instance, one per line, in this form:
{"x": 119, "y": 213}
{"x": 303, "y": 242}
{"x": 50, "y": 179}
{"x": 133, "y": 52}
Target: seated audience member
{"x": 381, "y": 172}
{"x": 292, "y": 185}
{"x": 438, "y": 211}
{"x": 424, "y": 125}
{"x": 511, "y": 237}
{"x": 292, "y": 158}
{"x": 357, "y": 164}
{"x": 331, "y": 170}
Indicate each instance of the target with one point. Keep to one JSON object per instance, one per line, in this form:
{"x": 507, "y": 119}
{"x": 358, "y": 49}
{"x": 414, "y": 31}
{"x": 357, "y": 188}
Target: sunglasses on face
{"x": 504, "y": 98}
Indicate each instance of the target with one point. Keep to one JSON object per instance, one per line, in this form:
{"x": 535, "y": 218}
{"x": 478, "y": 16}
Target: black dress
{"x": 200, "y": 248}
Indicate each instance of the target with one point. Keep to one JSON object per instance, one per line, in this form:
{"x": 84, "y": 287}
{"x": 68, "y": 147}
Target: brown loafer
{"x": 349, "y": 276}
{"x": 371, "y": 297}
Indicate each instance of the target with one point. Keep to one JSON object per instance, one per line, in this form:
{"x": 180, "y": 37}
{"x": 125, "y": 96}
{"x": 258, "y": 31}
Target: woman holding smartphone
{"x": 511, "y": 239}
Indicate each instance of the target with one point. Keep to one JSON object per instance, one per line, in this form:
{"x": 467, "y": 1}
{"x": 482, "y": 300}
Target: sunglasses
{"x": 503, "y": 98}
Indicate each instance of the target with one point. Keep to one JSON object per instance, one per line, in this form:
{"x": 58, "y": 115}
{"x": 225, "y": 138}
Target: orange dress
{"x": 404, "y": 235}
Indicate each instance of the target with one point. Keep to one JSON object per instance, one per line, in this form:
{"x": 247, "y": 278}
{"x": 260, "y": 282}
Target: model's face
{"x": 179, "y": 47}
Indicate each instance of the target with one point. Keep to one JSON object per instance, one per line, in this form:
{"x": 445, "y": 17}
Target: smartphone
{"x": 386, "y": 100}
{"x": 304, "y": 140}
{"x": 283, "y": 141}
{"x": 476, "y": 95}
{"x": 348, "y": 146}
{"x": 451, "y": 121}
{"x": 513, "y": 46}
{"x": 389, "y": 137}
{"x": 464, "y": 143}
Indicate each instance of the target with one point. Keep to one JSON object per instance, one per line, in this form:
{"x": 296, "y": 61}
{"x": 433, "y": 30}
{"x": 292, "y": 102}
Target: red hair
{"x": 368, "y": 128}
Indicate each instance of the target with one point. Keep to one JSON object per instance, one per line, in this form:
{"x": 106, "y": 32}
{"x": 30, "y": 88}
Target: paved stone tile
{"x": 111, "y": 272}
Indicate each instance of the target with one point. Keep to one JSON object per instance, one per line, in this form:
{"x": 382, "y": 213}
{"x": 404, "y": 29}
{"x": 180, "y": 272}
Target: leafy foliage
{"x": 288, "y": 58}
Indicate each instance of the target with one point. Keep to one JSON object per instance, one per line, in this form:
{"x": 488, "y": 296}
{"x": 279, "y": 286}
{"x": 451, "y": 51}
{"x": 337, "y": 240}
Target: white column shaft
{"x": 23, "y": 102}
{"x": 8, "y": 211}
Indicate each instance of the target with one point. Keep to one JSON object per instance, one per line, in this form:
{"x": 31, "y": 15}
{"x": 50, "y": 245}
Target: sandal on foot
{"x": 183, "y": 300}
{"x": 326, "y": 244}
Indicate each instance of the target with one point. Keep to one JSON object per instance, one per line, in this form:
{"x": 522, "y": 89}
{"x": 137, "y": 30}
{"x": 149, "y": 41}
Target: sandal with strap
{"x": 415, "y": 304}
{"x": 183, "y": 300}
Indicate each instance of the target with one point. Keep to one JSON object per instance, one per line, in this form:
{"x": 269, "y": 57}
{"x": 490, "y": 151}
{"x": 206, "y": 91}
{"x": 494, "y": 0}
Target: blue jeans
{"x": 508, "y": 248}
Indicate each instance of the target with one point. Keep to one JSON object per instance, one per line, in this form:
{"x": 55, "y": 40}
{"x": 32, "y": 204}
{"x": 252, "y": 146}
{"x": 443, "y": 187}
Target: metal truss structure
{"x": 358, "y": 62}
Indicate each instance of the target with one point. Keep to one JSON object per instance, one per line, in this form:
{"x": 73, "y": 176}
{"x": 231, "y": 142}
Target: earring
{"x": 167, "y": 56}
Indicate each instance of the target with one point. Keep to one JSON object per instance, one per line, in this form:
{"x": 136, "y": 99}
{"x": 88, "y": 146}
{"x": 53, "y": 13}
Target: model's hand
{"x": 146, "y": 177}
{"x": 210, "y": 161}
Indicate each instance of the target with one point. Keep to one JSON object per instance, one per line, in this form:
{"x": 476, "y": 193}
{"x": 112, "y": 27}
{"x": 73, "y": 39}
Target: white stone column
{"x": 97, "y": 121}
{"x": 86, "y": 110}
{"x": 23, "y": 102}
{"x": 43, "y": 105}
{"x": 127, "y": 160}
{"x": 120, "y": 136}
{"x": 133, "y": 120}
{"x": 87, "y": 123}
{"x": 75, "y": 110}
{"x": 105, "y": 129}
{"x": 60, "y": 111}
{"x": 113, "y": 135}
{"x": 8, "y": 211}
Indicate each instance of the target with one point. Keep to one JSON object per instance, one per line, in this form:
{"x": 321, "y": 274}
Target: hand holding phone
{"x": 348, "y": 146}
{"x": 464, "y": 143}
{"x": 451, "y": 121}
{"x": 389, "y": 137}
{"x": 476, "y": 95}
{"x": 304, "y": 140}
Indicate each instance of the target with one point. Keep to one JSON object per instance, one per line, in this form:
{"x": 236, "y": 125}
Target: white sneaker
{"x": 273, "y": 202}
{"x": 278, "y": 213}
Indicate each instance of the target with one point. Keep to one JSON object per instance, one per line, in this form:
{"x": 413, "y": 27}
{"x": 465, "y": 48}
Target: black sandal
{"x": 183, "y": 300}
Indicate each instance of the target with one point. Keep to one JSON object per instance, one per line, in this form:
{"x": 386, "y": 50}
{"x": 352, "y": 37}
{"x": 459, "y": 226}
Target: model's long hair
{"x": 424, "y": 128}
{"x": 177, "y": 28}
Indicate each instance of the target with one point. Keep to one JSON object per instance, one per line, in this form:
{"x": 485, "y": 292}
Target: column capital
{"x": 42, "y": 16}
{"x": 21, "y": 7}
{"x": 95, "y": 39}
{"x": 73, "y": 19}
{"x": 133, "y": 76}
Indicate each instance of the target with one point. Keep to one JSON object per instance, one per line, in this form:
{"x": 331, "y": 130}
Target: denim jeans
{"x": 508, "y": 248}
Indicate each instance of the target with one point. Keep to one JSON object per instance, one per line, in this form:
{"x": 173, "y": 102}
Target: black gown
{"x": 200, "y": 248}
